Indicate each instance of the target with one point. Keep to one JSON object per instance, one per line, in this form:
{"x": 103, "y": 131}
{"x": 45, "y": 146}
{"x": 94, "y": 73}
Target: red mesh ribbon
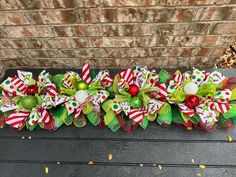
{"x": 121, "y": 121}
{"x": 131, "y": 127}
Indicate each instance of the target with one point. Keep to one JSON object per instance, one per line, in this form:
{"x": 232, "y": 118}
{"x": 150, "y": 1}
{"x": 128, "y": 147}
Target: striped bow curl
{"x": 86, "y": 73}
{"x": 17, "y": 119}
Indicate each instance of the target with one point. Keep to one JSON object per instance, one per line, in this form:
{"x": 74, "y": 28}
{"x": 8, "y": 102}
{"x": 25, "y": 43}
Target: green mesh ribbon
{"x": 165, "y": 114}
{"x": 93, "y": 118}
{"x": 163, "y": 75}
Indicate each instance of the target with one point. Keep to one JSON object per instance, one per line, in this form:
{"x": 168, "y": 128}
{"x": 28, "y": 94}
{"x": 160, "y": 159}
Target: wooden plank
{"x": 153, "y": 133}
{"x": 122, "y": 151}
{"x": 54, "y": 170}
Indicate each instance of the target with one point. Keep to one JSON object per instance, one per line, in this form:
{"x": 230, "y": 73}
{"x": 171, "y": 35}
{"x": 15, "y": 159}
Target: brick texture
{"x": 116, "y": 33}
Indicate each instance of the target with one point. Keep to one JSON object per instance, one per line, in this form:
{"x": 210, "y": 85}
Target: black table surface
{"x": 67, "y": 151}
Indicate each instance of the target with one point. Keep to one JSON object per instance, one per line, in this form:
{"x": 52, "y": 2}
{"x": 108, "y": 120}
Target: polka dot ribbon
{"x": 144, "y": 79}
{"x": 208, "y": 108}
{"x": 17, "y": 86}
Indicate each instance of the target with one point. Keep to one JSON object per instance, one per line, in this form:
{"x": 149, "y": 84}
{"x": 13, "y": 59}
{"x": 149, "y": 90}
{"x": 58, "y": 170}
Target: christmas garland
{"x": 132, "y": 98}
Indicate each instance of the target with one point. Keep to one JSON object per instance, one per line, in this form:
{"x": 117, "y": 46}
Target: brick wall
{"x": 161, "y": 33}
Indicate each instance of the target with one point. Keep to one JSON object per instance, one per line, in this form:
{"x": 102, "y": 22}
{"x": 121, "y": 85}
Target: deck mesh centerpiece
{"x": 133, "y": 97}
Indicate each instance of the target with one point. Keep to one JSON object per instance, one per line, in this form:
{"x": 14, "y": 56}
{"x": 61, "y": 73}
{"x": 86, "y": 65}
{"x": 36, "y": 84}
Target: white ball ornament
{"x": 81, "y": 96}
{"x": 191, "y": 88}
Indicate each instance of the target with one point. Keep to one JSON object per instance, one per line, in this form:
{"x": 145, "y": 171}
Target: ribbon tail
{"x": 17, "y": 119}
{"x": 86, "y": 73}
{"x": 136, "y": 115}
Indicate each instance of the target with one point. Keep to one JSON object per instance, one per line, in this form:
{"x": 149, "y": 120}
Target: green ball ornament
{"x": 81, "y": 85}
{"x": 136, "y": 102}
{"x": 29, "y": 102}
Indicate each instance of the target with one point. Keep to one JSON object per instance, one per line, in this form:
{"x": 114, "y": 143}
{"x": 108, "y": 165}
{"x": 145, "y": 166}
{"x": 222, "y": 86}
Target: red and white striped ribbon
{"x": 17, "y": 119}
{"x": 128, "y": 76}
{"x": 59, "y": 99}
{"x": 222, "y": 108}
{"x": 19, "y": 84}
{"x": 44, "y": 116}
{"x": 145, "y": 110}
{"x": 178, "y": 77}
{"x": 78, "y": 110}
{"x": 107, "y": 81}
{"x": 121, "y": 83}
{"x": 162, "y": 90}
{"x": 66, "y": 81}
{"x": 136, "y": 115}
{"x": 81, "y": 107}
{"x": 185, "y": 109}
{"x": 52, "y": 90}
{"x": 86, "y": 73}
{"x": 6, "y": 93}
{"x": 8, "y": 107}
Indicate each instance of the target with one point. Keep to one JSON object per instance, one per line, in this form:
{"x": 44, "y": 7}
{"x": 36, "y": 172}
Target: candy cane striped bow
{"x": 86, "y": 73}
{"x": 96, "y": 96}
{"x": 136, "y": 115}
{"x": 103, "y": 76}
{"x": 144, "y": 79}
{"x": 17, "y": 119}
{"x": 208, "y": 112}
{"x": 208, "y": 108}
{"x": 17, "y": 86}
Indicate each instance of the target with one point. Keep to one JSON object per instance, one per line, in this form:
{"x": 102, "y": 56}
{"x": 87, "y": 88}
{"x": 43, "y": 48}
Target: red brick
{"x": 197, "y": 2}
{"x": 126, "y": 15}
{"x": 8, "y": 18}
{"x": 36, "y": 4}
{"x": 111, "y": 52}
{"x": 224, "y": 28}
{"x": 129, "y": 2}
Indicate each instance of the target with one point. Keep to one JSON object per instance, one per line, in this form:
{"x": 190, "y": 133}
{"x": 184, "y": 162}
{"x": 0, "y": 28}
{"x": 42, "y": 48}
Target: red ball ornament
{"x": 133, "y": 90}
{"x": 32, "y": 90}
{"x": 191, "y": 101}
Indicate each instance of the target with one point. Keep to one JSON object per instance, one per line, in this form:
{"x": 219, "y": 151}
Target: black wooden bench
{"x": 156, "y": 151}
